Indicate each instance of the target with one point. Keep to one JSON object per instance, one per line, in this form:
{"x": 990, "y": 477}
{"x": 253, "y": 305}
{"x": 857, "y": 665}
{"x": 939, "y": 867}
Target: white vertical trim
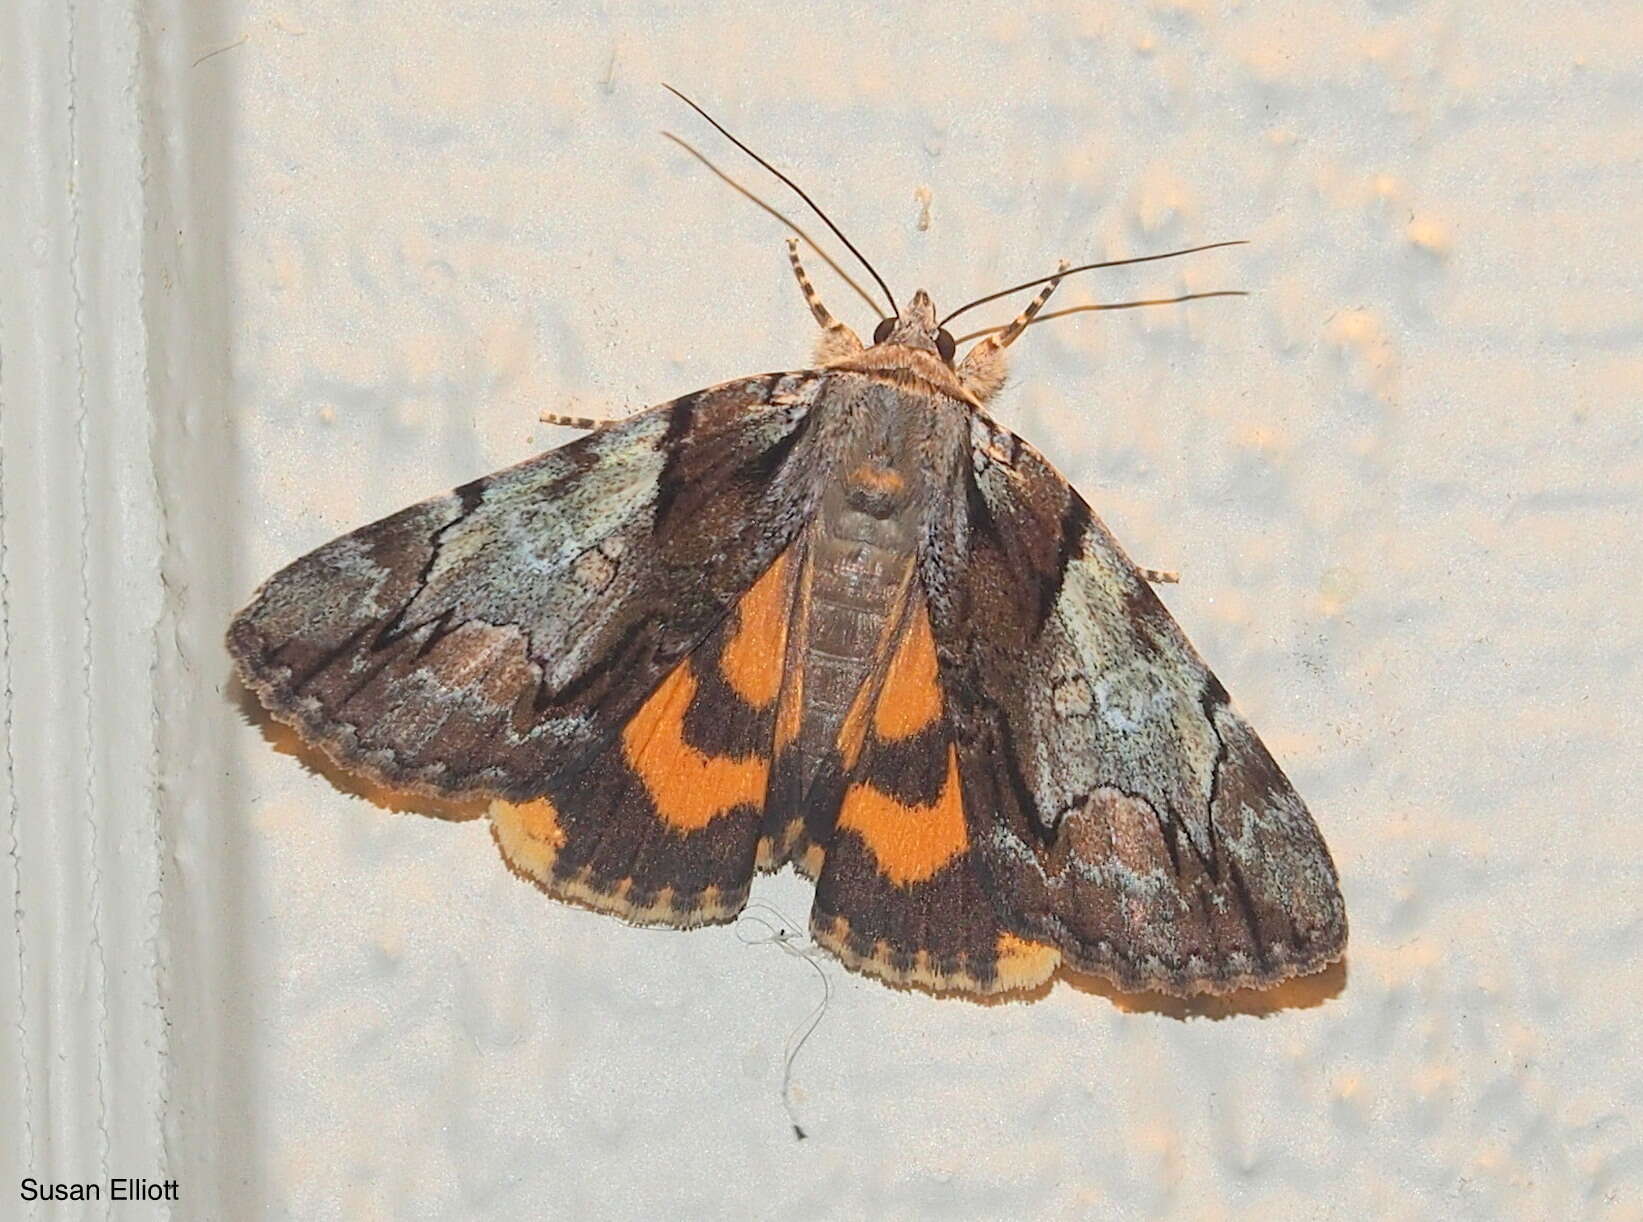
{"x": 81, "y": 596}
{"x": 209, "y": 974}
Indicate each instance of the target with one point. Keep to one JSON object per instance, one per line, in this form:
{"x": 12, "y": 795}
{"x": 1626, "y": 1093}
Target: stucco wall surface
{"x": 1401, "y": 481}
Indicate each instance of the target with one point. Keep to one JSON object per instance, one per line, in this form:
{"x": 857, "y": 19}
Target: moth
{"x": 838, "y": 618}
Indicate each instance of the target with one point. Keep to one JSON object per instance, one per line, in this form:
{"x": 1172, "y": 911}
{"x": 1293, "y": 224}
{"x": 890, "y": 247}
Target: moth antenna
{"x": 1087, "y": 267}
{"x": 814, "y": 207}
{"x": 1107, "y": 305}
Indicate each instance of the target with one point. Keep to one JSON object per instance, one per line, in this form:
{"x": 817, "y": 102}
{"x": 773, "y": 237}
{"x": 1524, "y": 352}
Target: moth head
{"x": 917, "y": 328}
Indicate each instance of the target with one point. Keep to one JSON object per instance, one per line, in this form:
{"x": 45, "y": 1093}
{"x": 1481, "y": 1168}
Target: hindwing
{"x": 663, "y": 825}
{"x": 899, "y": 893}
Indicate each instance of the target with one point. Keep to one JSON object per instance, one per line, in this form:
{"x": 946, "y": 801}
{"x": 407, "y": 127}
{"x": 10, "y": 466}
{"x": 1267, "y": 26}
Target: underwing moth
{"x": 838, "y": 618}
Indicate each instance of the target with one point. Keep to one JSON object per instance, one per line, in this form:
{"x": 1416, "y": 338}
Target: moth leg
{"x": 837, "y": 340}
{"x": 1161, "y": 577}
{"x": 811, "y": 297}
{"x": 983, "y": 369}
{"x": 577, "y": 422}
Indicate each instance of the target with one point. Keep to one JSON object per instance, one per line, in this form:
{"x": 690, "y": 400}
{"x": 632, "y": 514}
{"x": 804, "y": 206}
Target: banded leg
{"x": 983, "y": 368}
{"x": 577, "y": 422}
{"x": 837, "y": 340}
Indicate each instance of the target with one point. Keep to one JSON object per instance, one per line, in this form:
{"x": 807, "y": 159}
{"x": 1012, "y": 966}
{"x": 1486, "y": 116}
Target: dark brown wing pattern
{"x": 483, "y": 642}
{"x": 900, "y": 893}
{"x": 1122, "y": 810}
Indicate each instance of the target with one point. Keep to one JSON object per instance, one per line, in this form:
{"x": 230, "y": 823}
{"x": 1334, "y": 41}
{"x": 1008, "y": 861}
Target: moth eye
{"x": 945, "y": 345}
{"x": 882, "y": 331}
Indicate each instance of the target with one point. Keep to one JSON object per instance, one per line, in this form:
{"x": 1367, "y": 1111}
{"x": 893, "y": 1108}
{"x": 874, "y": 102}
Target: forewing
{"x": 1123, "y": 811}
{"x": 484, "y": 641}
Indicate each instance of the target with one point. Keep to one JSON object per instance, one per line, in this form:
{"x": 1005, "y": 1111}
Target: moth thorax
{"x": 875, "y": 489}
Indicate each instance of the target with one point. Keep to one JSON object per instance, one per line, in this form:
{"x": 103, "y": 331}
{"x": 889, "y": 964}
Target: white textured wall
{"x": 1402, "y": 482}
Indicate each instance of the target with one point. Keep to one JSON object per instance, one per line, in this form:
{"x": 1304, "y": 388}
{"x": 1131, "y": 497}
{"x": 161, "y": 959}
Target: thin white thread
{"x": 781, "y": 936}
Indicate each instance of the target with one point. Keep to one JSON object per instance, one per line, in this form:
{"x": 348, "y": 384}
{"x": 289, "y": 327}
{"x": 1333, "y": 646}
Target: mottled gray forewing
{"x": 483, "y": 641}
{"x": 1123, "y": 809}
